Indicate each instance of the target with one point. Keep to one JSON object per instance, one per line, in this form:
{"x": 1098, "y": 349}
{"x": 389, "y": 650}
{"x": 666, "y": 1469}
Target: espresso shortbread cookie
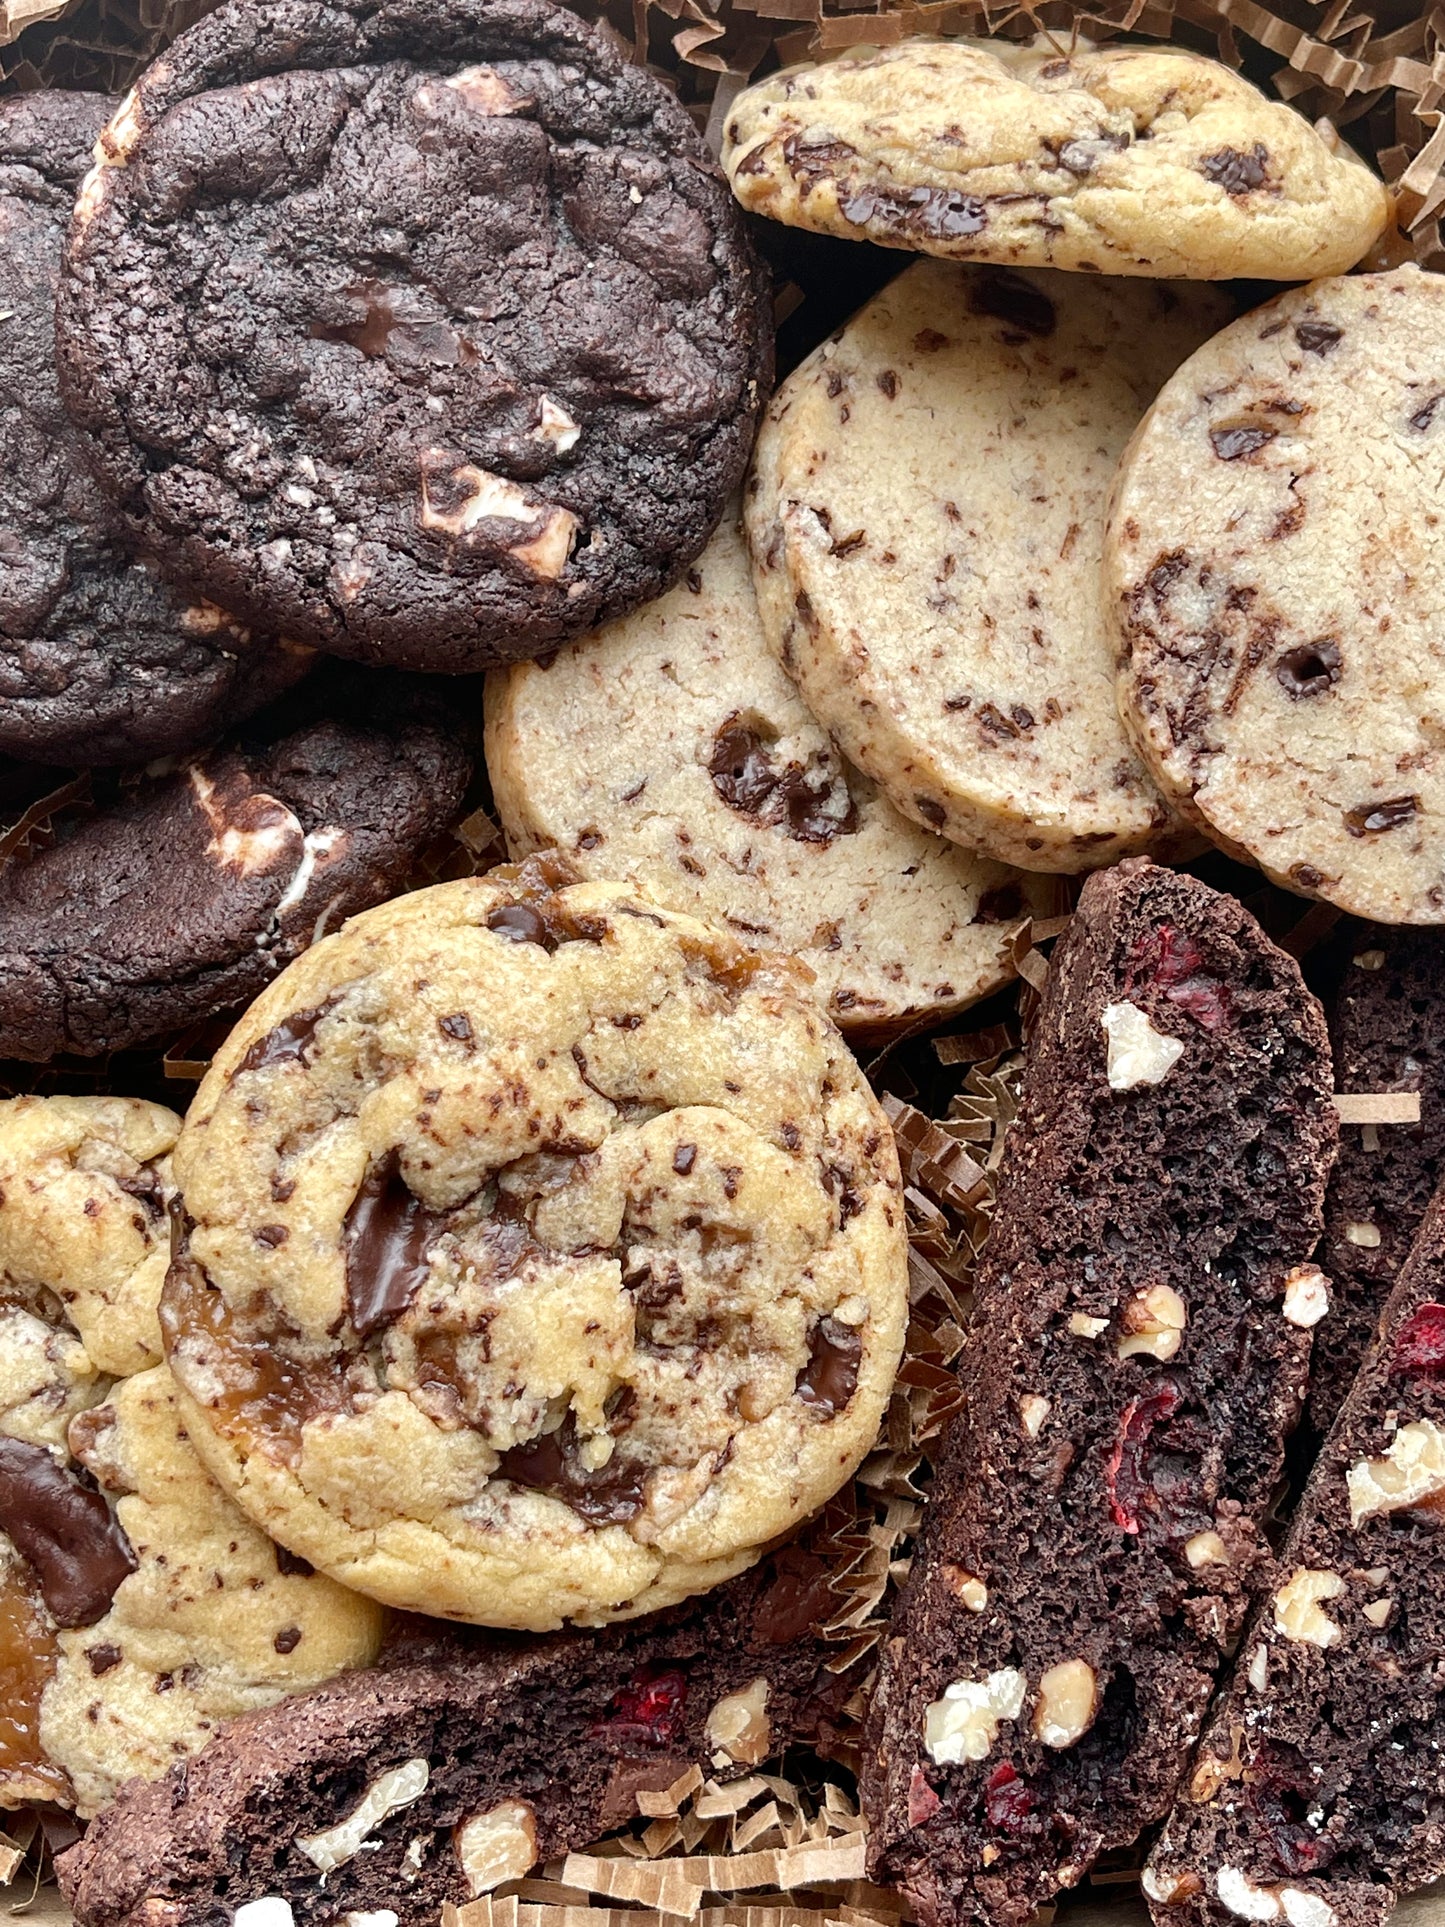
{"x": 100, "y": 662}
{"x": 1121, "y": 159}
{"x": 1138, "y": 1352}
{"x": 1386, "y": 1015}
{"x": 925, "y": 516}
{"x": 672, "y": 750}
{"x": 1315, "y": 1797}
{"x": 1274, "y": 578}
{"x": 428, "y": 332}
{"x": 182, "y": 895}
{"x": 475, "y": 1763}
{"x": 139, "y": 1608}
{"x": 546, "y": 1257}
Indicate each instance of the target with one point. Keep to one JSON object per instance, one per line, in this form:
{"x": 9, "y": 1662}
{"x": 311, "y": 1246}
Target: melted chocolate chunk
{"x": 387, "y": 1233}
{"x": 1244, "y": 438}
{"x": 925, "y": 213}
{"x": 64, "y": 1530}
{"x": 802, "y": 800}
{"x": 550, "y": 1464}
{"x": 1318, "y": 337}
{"x": 1009, "y": 297}
{"x": 1422, "y": 417}
{"x": 288, "y": 1043}
{"x": 1235, "y": 172}
{"x": 1371, "y": 819}
{"x": 830, "y": 1377}
{"x": 520, "y": 923}
{"x": 1309, "y": 670}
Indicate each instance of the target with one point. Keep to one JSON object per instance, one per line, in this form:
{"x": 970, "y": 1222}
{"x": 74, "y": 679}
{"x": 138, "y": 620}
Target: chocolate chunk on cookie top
{"x": 925, "y": 514}
{"x": 1275, "y": 579}
{"x": 1120, "y": 159}
{"x": 429, "y": 332}
{"x": 672, "y": 749}
{"x": 100, "y": 661}
{"x": 547, "y": 1254}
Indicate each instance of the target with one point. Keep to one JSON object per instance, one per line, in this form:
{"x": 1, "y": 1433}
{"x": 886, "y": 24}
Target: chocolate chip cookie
{"x": 672, "y": 750}
{"x": 1139, "y": 160}
{"x": 546, "y": 1255}
{"x": 429, "y": 333}
{"x": 180, "y": 895}
{"x": 925, "y": 515}
{"x": 138, "y": 1608}
{"x": 100, "y": 661}
{"x": 1274, "y": 578}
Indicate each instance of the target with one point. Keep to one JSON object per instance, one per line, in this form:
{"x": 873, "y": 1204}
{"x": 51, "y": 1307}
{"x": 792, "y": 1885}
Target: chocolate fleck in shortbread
{"x": 183, "y": 894}
{"x": 428, "y": 332}
{"x": 1315, "y": 1796}
{"x": 1274, "y": 577}
{"x": 1387, "y": 1025}
{"x": 137, "y": 1617}
{"x": 546, "y": 1255}
{"x": 1139, "y": 160}
{"x": 1138, "y": 1352}
{"x": 925, "y": 515}
{"x": 672, "y": 750}
{"x": 100, "y": 662}
{"x": 442, "y": 1778}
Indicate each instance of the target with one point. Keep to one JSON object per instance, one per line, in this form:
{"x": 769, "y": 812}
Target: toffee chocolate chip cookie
{"x": 925, "y": 516}
{"x": 182, "y": 894}
{"x": 1274, "y": 576}
{"x": 132, "y": 1625}
{"x": 672, "y": 750}
{"x": 428, "y": 332}
{"x": 1120, "y": 159}
{"x": 546, "y": 1255}
{"x": 462, "y": 1769}
{"x": 100, "y": 661}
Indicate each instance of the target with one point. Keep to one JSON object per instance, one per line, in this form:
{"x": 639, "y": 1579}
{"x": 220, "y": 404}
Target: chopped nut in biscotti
{"x": 499, "y": 1844}
{"x": 964, "y": 1724}
{"x": 1297, "y": 1612}
{"x": 1067, "y": 1702}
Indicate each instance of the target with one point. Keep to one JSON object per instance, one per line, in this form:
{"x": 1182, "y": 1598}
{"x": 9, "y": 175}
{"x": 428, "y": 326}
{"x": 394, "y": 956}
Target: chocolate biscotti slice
{"x": 1138, "y": 1353}
{"x": 388, "y": 1792}
{"x": 1386, "y": 1016}
{"x": 1318, "y": 1794}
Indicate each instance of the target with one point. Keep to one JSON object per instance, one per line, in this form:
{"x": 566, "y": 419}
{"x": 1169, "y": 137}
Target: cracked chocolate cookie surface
{"x": 100, "y": 661}
{"x": 925, "y": 514}
{"x": 1274, "y": 576}
{"x": 546, "y": 1259}
{"x": 139, "y": 1609}
{"x": 1122, "y": 160}
{"x": 707, "y": 783}
{"x": 428, "y": 332}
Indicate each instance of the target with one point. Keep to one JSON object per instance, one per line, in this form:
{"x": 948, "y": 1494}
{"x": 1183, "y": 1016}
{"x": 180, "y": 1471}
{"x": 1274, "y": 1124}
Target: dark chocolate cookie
{"x": 184, "y": 895}
{"x": 100, "y": 661}
{"x": 428, "y": 332}
{"x": 465, "y": 1764}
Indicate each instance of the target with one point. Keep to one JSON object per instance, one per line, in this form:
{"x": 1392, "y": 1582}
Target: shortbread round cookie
{"x": 925, "y": 515}
{"x": 1138, "y": 160}
{"x": 672, "y": 750}
{"x": 428, "y": 332}
{"x": 546, "y": 1256}
{"x": 1274, "y": 570}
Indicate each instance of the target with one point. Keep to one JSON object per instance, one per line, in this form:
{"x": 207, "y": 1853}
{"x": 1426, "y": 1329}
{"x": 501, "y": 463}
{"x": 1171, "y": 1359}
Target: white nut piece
{"x": 1365, "y": 1235}
{"x": 1240, "y": 1895}
{"x": 1033, "y": 1410}
{"x": 1378, "y": 1611}
{"x": 1306, "y": 1296}
{"x": 966, "y": 1587}
{"x": 1297, "y": 1611}
{"x": 1137, "y": 1053}
{"x": 1154, "y": 1321}
{"x": 1068, "y": 1700}
{"x": 556, "y": 426}
{"x": 1303, "y": 1909}
{"x": 378, "y": 1917}
{"x": 1083, "y": 1326}
{"x": 739, "y": 1728}
{"x": 399, "y": 1788}
{"x": 1166, "y": 1888}
{"x": 269, "y": 1911}
{"x": 964, "y": 1724}
{"x": 1412, "y": 1471}
{"x": 1206, "y": 1549}
{"x": 1370, "y": 960}
{"x": 1258, "y": 1674}
{"x": 498, "y": 1845}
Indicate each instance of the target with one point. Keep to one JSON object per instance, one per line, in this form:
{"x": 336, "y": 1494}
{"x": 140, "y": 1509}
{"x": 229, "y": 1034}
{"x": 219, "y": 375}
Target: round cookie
{"x": 100, "y": 661}
{"x": 428, "y": 332}
{"x": 130, "y": 1627}
{"x": 546, "y": 1255}
{"x": 925, "y": 516}
{"x": 672, "y": 750}
{"x": 1140, "y": 160}
{"x": 1275, "y": 574}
